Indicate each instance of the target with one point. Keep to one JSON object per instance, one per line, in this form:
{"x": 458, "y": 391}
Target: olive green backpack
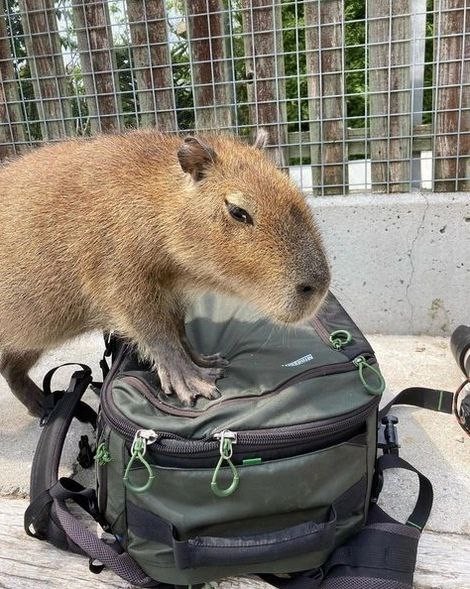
{"x": 278, "y": 477}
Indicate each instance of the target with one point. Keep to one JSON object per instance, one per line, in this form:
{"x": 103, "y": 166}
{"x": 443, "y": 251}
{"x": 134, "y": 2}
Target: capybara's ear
{"x": 261, "y": 139}
{"x": 195, "y": 157}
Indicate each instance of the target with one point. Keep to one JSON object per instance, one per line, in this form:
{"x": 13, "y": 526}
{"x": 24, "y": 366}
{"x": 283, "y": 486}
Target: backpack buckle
{"x": 86, "y": 455}
{"x": 48, "y": 405}
{"x": 388, "y": 435}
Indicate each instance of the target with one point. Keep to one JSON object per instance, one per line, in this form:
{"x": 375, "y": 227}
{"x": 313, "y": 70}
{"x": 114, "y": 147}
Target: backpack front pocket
{"x": 292, "y": 498}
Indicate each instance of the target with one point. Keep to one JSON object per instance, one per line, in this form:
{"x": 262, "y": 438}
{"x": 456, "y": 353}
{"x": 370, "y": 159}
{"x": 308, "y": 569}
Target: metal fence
{"x": 356, "y": 94}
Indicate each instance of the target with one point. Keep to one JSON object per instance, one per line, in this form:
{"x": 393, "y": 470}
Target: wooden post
{"x": 46, "y": 63}
{"x": 452, "y": 95}
{"x": 209, "y": 68}
{"x": 7, "y": 145}
{"x": 12, "y": 136}
{"x": 262, "y": 31}
{"x": 389, "y": 38}
{"x": 324, "y": 39}
{"x": 418, "y": 51}
{"x": 98, "y": 62}
{"x": 464, "y": 147}
{"x": 152, "y": 63}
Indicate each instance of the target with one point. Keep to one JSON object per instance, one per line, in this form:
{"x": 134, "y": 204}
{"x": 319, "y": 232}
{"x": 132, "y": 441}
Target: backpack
{"x": 278, "y": 477}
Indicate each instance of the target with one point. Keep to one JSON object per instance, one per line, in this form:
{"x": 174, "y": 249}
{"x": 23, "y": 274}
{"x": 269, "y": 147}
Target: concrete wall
{"x": 400, "y": 263}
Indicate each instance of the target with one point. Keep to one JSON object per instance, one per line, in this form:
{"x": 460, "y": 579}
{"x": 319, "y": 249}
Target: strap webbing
{"x": 372, "y": 554}
{"x": 47, "y": 380}
{"x": 89, "y": 543}
{"x": 423, "y": 506}
{"x": 433, "y": 399}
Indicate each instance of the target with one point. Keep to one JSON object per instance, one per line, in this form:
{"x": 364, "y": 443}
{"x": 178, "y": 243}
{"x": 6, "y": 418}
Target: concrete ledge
{"x": 401, "y": 263}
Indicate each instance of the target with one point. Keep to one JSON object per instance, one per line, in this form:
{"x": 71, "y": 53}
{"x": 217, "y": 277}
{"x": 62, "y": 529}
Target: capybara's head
{"x": 247, "y": 229}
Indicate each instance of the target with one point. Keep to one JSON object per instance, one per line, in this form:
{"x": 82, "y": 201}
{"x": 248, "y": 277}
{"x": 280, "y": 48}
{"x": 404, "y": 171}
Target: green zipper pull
{"x": 227, "y": 439}
{"x": 340, "y": 338}
{"x": 102, "y": 455}
{"x": 142, "y": 439}
{"x": 363, "y": 366}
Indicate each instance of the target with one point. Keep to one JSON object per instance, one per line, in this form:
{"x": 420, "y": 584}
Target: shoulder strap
{"x": 65, "y": 407}
{"x": 48, "y": 516}
{"x": 436, "y": 400}
{"x": 433, "y": 399}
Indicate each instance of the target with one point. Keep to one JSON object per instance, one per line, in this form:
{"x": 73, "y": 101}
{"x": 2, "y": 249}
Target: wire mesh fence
{"x": 357, "y": 95}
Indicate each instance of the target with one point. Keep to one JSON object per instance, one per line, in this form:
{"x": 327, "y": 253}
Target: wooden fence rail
{"x": 88, "y": 66}
{"x": 265, "y": 71}
{"x": 452, "y": 141}
{"x": 389, "y": 59}
{"x": 47, "y": 67}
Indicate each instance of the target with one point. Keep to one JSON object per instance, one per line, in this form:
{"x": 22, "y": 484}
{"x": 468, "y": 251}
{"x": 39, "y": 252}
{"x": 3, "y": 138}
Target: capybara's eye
{"x": 239, "y": 214}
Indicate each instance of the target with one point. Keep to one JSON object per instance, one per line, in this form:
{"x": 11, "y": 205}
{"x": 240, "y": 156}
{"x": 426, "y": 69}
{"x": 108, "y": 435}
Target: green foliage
{"x": 354, "y": 62}
{"x": 295, "y": 65}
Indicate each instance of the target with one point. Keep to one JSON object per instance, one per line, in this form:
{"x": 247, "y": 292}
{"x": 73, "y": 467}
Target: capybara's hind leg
{"x": 14, "y": 367}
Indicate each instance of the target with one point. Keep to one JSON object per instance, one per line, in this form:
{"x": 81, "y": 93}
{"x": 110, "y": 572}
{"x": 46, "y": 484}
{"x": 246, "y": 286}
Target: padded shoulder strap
{"x": 45, "y": 468}
{"x": 39, "y": 521}
{"x": 48, "y": 516}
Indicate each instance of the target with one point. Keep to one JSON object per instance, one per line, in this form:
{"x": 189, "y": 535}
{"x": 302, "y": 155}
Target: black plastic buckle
{"x": 96, "y": 387}
{"x": 48, "y": 404}
{"x": 388, "y": 435}
{"x": 86, "y": 455}
{"x": 95, "y": 566}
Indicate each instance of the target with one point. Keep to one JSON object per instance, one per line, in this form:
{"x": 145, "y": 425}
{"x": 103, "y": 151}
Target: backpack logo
{"x": 300, "y": 361}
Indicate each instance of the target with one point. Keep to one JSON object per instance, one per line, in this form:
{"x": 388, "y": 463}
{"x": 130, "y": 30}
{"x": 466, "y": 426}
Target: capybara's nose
{"x": 305, "y": 290}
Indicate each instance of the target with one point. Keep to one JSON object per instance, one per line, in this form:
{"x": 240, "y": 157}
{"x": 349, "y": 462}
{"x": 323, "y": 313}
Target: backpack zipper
{"x": 321, "y": 330}
{"x": 171, "y": 444}
{"x": 311, "y": 434}
{"x": 357, "y": 363}
{"x": 103, "y": 458}
{"x": 221, "y": 442}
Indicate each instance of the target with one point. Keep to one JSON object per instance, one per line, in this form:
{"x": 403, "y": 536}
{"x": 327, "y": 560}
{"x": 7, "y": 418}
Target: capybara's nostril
{"x": 304, "y": 289}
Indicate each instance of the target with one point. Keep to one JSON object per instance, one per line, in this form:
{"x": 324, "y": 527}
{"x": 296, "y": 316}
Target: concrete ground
{"x": 432, "y": 442}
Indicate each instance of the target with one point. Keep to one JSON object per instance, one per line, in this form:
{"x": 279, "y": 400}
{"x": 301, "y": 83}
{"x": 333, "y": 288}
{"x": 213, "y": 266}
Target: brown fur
{"x": 116, "y": 232}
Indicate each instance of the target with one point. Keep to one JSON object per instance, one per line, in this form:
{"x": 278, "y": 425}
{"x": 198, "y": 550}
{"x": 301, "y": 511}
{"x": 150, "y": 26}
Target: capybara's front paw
{"x": 188, "y": 381}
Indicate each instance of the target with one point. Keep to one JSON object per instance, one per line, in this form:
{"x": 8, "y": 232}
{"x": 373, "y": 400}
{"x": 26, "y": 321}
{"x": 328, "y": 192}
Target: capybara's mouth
{"x": 300, "y": 314}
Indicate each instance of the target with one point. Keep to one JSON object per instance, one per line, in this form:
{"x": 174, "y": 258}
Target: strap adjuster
{"x": 86, "y": 455}
{"x": 388, "y": 435}
{"x": 48, "y": 404}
